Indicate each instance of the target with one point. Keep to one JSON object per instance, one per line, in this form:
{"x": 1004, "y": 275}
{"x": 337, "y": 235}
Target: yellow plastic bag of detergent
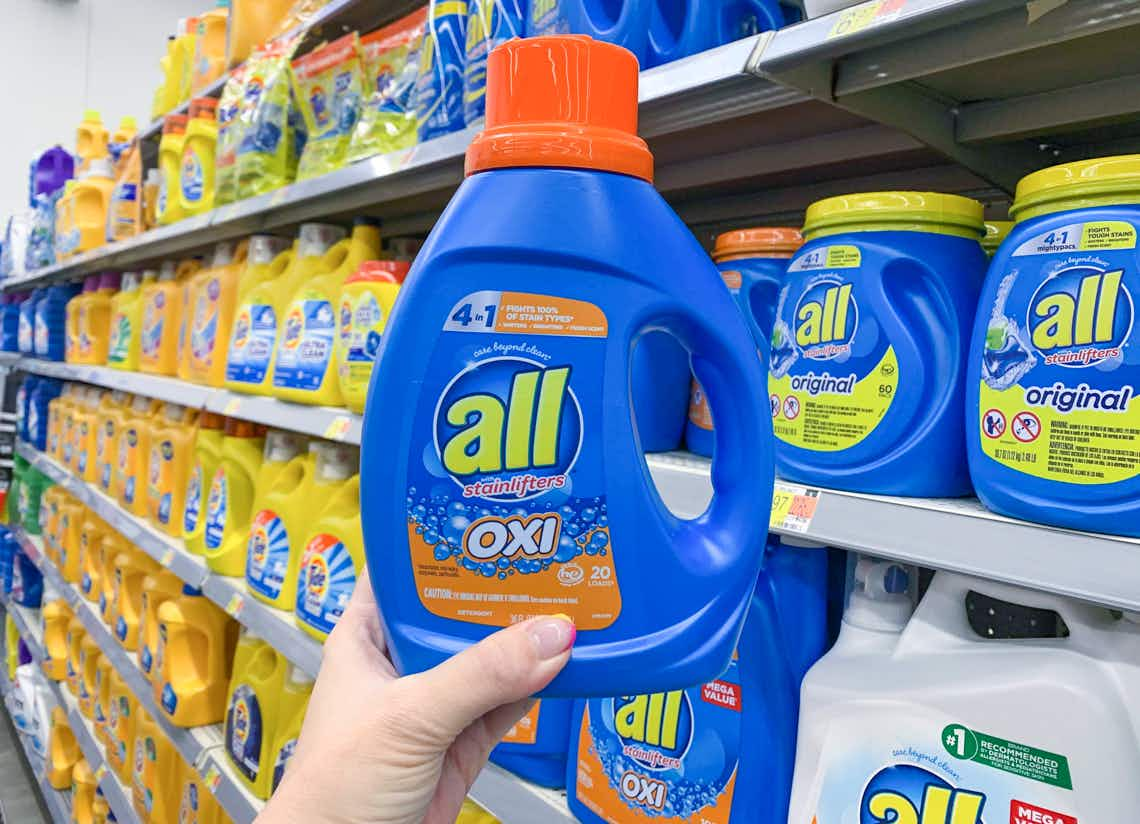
{"x": 267, "y": 152}
{"x": 230, "y": 106}
{"x": 391, "y": 64}
{"x": 300, "y": 14}
{"x": 328, "y": 85}
{"x": 124, "y": 216}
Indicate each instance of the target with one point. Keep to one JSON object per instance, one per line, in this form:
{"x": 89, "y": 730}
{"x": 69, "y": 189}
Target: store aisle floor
{"x": 19, "y": 800}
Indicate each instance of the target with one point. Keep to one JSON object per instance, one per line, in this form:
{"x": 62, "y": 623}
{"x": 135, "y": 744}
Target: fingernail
{"x": 553, "y": 635}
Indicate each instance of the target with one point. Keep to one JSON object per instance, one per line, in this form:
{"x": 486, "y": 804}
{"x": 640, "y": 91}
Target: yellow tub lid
{"x": 884, "y": 211}
{"x": 1101, "y": 181}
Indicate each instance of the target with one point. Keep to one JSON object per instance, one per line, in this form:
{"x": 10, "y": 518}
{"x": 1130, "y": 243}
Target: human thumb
{"x": 503, "y": 668}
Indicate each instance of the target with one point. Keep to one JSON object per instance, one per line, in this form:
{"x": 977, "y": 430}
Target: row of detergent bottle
{"x": 236, "y": 494}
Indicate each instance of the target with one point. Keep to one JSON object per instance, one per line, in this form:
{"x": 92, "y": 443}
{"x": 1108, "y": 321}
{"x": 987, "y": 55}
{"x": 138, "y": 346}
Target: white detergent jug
{"x": 945, "y": 719}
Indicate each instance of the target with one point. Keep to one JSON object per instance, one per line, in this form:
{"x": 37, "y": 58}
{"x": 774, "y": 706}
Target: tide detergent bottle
{"x": 169, "y": 466}
{"x": 110, "y": 417}
{"x": 253, "y": 709}
{"x": 129, "y": 569}
{"x": 133, "y": 454}
{"x": 157, "y": 588}
{"x": 278, "y": 527}
{"x": 230, "y": 499}
{"x": 366, "y": 303}
{"x": 895, "y": 728}
{"x": 154, "y": 779}
{"x": 753, "y": 264}
{"x": 536, "y": 746}
{"x": 207, "y": 456}
{"x": 163, "y": 317}
{"x": 1054, "y": 366}
{"x": 331, "y": 561}
{"x": 867, "y": 365}
{"x": 126, "y": 321}
{"x": 294, "y": 702}
{"x": 170, "y": 149}
{"x": 305, "y": 367}
{"x": 197, "y": 804}
{"x": 260, "y": 312}
{"x": 71, "y": 319}
{"x": 196, "y": 178}
{"x": 196, "y": 344}
{"x": 195, "y": 650}
{"x": 522, "y": 333}
{"x": 216, "y": 298}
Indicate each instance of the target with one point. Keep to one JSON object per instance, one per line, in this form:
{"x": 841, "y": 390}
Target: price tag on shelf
{"x": 337, "y": 430}
{"x": 212, "y": 777}
{"x": 100, "y": 773}
{"x": 167, "y": 556}
{"x": 235, "y": 605}
{"x": 232, "y": 407}
{"x": 793, "y": 507}
{"x": 859, "y": 17}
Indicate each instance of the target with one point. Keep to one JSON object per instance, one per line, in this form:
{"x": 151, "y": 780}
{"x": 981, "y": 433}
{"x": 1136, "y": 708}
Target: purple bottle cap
{"x": 91, "y": 283}
{"x": 110, "y": 280}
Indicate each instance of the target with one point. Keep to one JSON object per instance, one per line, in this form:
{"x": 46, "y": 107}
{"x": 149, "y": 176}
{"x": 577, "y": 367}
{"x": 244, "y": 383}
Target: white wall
{"x": 59, "y": 57}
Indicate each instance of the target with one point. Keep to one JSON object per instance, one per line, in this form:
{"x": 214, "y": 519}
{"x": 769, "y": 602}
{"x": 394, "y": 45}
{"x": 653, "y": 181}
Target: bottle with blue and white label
{"x": 509, "y": 480}
{"x": 1054, "y": 365}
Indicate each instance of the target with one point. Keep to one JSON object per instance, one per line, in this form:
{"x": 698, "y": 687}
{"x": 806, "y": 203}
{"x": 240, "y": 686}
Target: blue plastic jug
{"x": 753, "y": 264}
{"x": 50, "y": 171}
{"x": 723, "y": 751}
{"x": 23, "y": 404}
{"x": 867, "y": 367}
{"x": 8, "y": 550}
{"x": 1054, "y": 363}
{"x": 51, "y": 315}
{"x": 489, "y": 23}
{"x": 622, "y": 22}
{"x": 26, "y": 328}
{"x": 439, "y": 86}
{"x": 679, "y": 28}
{"x": 45, "y": 390}
{"x": 511, "y": 463}
{"x": 10, "y": 321}
{"x": 27, "y": 584}
{"x": 535, "y": 748}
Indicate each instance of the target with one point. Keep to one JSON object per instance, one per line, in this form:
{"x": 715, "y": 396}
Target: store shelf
{"x": 1001, "y": 86}
{"x": 333, "y": 423}
{"x": 954, "y": 534}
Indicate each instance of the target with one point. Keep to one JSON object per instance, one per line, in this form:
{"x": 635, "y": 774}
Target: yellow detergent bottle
{"x": 155, "y": 771}
{"x": 253, "y": 706}
{"x": 122, "y": 707}
{"x": 472, "y": 813}
{"x": 63, "y": 751}
{"x": 109, "y": 548}
{"x": 253, "y": 342}
{"x": 216, "y": 298}
{"x": 162, "y": 318}
{"x": 82, "y": 792}
{"x": 70, "y": 529}
{"x": 187, "y": 43}
{"x": 157, "y": 588}
{"x": 331, "y": 560}
{"x": 129, "y": 569}
{"x": 86, "y": 422}
{"x": 75, "y": 635}
{"x": 126, "y": 321}
{"x": 165, "y": 96}
{"x": 49, "y": 508}
{"x": 56, "y": 407}
{"x": 197, "y": 804}
{"x": 133, "y": 453}
{"x": 101, "y": 699}
{"x": 11, "y": 646}
{"x": 100, "y": 810}
{"x": 92, "y": 531}
{"x": 169, "y": 206}
{"x": 229, "y": 505}
{"x": 365, "y": 304}
{"x": 111, "y": 416}
{"x": 207, "y": 457}
{"x": 210, "y": 48}
{"x": 71, "y": 352}
{"x": 128, "y": 130}
{"x": 67, "y": 422}
{"x": 56, "y": 616}
{"x": 169, "y": 466}
{"x": 63, "y": 223}
{"x": 305, "y": 368}
{"x": 203, "y": 355}
{"x": 88, "y": 652}
{"x": 294, "y": 701}
{"x": 90, "y": 200}
{"x": 196, "y": 182}
{"x": 196, "y": 644}
{"x": 90, "y": 141}
{"x": 279, "y": 524}
{"x": 95, "y": 321}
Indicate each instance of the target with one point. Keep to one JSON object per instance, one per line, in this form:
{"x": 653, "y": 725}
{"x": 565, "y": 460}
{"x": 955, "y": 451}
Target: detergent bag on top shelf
{"x": 267, "y": 154}
{"x": 328, "y": 88}
{"x": 489, "y": 23}
{"x": 391, "y": 64}
{"x": 230, "y": 107}
{"x": 439, "y": 86}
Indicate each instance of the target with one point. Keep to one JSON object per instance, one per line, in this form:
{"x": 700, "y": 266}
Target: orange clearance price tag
{"x": 235, "y": 605}
{"x": 337, "y": 430}
{"x": 793, "y": 507}
{"x": 212, "y": 778}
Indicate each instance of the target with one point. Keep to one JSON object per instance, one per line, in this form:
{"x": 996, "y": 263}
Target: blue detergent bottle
{"x": 623, "y": 22}
{"x": 679, "y": 28}
{"x": 50, "y": 322}
{"x": 489, "y": 23}
{"x": 753, "y": 264}
{"x": 26, "y": 328}
{"x": 1054, "y": 366}
{"x": 27, "y": 584}
{"x": 439, "y": 86}
{"x": 867, "y": 367}
{"x": 46, "y": 390}
{"x": 512, "y": 463}
{"x": 535, "y": 748}
{"x": 10, "y": 321}
{"x": 23, "y": 404}
{"x": 723, "y": 751}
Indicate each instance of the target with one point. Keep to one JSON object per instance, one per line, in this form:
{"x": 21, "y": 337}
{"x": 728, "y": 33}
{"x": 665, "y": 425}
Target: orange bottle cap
{"x": 203, "y": 107}
{"x": 210, "y": 420}
{"x": 380, "y": 271}
{"x": 174, "y": 124}
{"x": 567, "y": 101}
{"x": 764, "y": 241}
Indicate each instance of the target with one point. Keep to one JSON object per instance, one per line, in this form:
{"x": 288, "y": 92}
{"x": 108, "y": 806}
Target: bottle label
{"x": 361, "y": 323}
{"x": 152, "y": 325}
{"x": 216, "y": 507}
{"x": 83, "y": 447}
{"x": 243, "y": 731}
{"x": 699, "y": 413}
{"x": 672, "y": 756}
{"x": 833, "y": 374}
{"x": 525, "y": 730}
{"x": 160, "y": 480}
{"x": 204, "y": 328}
{"x": 119, "y": 347}
{"x": 282, "y": 761}
{"x": 1060, "y": 368}
{"x": 326, "y": 581}
{"x": 188, "y": 809}
{"x": 193, "y": 500}
{"x": 509, "y": 420}
{"x": 192, "y": 176}
{"x": 306, "y": 345}
{"x": 268, "y": 558}
{"x": 104, "y": 437}
{"x": 251, "y": 346}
